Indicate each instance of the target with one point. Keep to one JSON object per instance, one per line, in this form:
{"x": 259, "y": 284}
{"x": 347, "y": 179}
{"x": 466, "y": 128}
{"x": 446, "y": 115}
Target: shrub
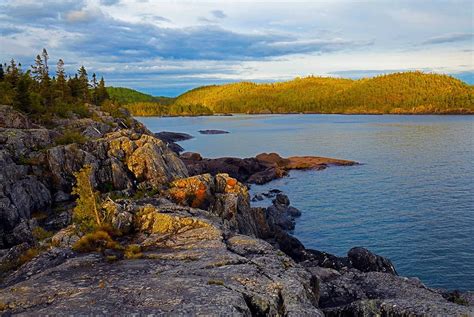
{"x": 41, "y": 234}
{"x": 70, "y": 136}
{"x": 133, "y": 251}
{"x": 86, "y": 214}
{"x": 28, "y": 255}
{"x": 96, "y": 241}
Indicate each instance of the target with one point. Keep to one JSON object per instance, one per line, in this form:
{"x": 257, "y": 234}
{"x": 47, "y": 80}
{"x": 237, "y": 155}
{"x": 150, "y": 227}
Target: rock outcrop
{"x": 185, "y": 245}
{"x": 188, "y": 266}
{"x": 36, "y": 174}
{"x": 257, "y": 170}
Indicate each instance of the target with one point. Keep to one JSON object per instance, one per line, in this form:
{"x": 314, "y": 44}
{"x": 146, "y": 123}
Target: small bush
{"x": 95, "y": 241}
{"x": 69, "y": 137}
{"x": 86, "y": 215}
{"x": 215, "y": 282}
{"x": 114, "y": 110}
{"x": 41, "y": 234}
{"x": 133, "y": 251}
{"x": 28, "y": 255}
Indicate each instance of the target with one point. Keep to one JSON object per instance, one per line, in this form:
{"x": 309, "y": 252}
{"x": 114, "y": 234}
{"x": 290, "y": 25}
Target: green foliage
{"x": 36, "y": 93}
{"x": 95, "y": 241}
{"x": 133, "y": 251}
{"x": 143, "y": 109}
{"x": 40, "y": 233}
{"x": 86, "y": 215}
{"x": 127, "y": 95}
{"x": 409, "y": 92}
{"x": 69, "y": 137}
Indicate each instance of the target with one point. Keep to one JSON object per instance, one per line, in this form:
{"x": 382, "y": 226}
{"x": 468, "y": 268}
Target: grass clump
{"x": 215, "y": 282}
{"x": 28, "y": 255}
{"x": 41, "y": 234}
{"x": 95, "y": 241}
{"x": 133, "y": 251}
{"x": 69, "y": 137}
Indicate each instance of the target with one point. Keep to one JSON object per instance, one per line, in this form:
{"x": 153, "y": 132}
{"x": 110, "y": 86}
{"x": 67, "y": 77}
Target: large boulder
{"x": 366, "y": 261}
{"x": 377, "y": 293}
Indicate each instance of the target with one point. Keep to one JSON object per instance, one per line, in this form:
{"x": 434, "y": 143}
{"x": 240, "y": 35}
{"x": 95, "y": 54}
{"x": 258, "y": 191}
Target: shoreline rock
{"x": 201, "y": 248}
{"x": 257, "y": 170}
{"x": 211, "y": 132}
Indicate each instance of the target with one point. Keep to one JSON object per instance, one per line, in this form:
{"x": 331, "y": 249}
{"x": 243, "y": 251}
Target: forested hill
{"x": 127, "y": 95}
{"x": 408, "y": 92}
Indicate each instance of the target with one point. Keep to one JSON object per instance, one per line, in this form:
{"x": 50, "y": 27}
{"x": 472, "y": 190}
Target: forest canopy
{"x": 407, "y": 92}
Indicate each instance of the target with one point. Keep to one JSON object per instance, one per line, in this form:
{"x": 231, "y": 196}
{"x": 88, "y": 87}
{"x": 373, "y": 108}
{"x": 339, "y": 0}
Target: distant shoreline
{"x": 313, "y": 113}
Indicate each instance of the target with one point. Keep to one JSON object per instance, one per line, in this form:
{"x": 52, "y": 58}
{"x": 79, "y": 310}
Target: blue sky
{"x": 167, "y": 47}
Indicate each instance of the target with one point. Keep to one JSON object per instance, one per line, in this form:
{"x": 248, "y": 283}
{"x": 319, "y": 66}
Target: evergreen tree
{"x": 94, "y": 89}
{"x": 22, "y": 97}
{"x": 2, "y": 73}
{"x": 102, "y": 93}
{"x": 13, "y": 73}
{"x": 61, "y": 83}
{"x": 83, "y": 84}
{"x": 45, "y": 56}
{"x": 38, "y": 69}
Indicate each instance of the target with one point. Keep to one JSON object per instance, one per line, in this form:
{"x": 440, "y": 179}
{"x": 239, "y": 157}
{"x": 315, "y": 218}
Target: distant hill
{"x": 408, "y": 92}
{"x": 127, "y": 95}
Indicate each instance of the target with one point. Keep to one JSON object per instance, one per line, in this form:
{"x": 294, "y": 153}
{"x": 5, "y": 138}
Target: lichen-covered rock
{"x": 120, "y": 217}
{"x": 196, "y": 191}
{"x": 188, "y": 267}
{"x": 373, "y": 293}
{"x": 66, "y": 237}
{"x": 10, "y": 118}
{"x": 366, "y": 261}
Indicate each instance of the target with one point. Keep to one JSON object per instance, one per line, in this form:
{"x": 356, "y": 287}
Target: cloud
{"x": 219, "y": 14}
{"x": 9, "y": 30}
{"x": 83, "y": 15}
{"x": 449, "y": 38}
{"x": 109, "y": 2}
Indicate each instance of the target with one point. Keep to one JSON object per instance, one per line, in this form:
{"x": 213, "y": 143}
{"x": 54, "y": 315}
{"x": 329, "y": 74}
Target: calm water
{"x": 412, "y": 200}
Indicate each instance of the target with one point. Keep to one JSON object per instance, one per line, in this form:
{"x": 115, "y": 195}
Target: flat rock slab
{"x": 169, "y": 137}
{"x": 213, "y": 132}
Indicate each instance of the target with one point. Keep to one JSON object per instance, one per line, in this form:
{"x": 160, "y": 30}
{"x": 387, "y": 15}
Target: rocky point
{"x": 190, "y": 241}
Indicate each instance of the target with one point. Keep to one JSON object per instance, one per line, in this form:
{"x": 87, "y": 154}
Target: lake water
{"x": 412, "y": 199}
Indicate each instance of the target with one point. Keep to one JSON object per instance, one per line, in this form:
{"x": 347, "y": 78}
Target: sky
{"x": 168, "y": 47}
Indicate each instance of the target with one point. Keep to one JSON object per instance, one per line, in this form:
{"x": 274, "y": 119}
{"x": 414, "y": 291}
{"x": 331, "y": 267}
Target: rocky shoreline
{"x": 192, "y": 244}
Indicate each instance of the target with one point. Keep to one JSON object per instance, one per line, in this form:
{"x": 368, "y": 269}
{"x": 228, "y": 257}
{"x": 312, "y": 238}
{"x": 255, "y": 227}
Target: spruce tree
{"x": 21, "y": 99}
{"x": 61, "y": 80}
{"x": 94, "y": 89}
{"x": 83, "y": 84}
{"x": 38, "y": 69}
{"x": 102, "y": 93}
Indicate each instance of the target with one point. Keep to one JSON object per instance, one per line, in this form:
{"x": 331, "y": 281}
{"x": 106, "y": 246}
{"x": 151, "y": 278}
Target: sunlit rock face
{"x": 36, "y": 174}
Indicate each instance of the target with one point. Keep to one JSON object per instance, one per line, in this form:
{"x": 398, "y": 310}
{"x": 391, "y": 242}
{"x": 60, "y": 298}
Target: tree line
{"x": 34, "y": 91}
{"x": 406, "y": 92}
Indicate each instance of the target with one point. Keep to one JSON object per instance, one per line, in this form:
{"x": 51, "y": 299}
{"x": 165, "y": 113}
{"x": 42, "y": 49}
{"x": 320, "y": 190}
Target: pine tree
{"x": 22, "y": 97}
{"x": 94, "y": 89}
{"x": 2, "y": 73}
{"x": 45, "y": 56}
{"x": 13, "y": 73}
{"x": 38, "y": 69}
{"x": 102, "y": 93}
{"x": 83, "y": 84}
{"x": 61, "y": 83}
{"x": 86, "y": 213}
